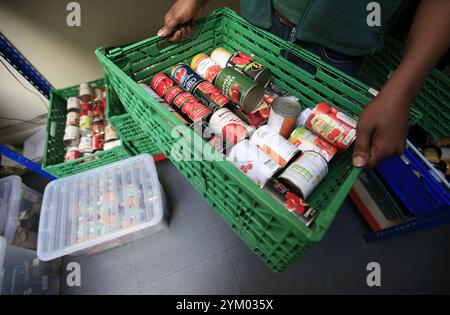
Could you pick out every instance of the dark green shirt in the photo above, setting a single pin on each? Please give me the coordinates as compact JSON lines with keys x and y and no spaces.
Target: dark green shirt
{"x":340,"y":25}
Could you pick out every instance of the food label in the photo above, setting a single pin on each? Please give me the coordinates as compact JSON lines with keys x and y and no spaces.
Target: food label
{"x":206,"y":67}
{"x":185,"y":77}
{"x":73,"y":119}
{"x":232,"y":128}
{"x":161,"y":84}
{"x":211,"y":96}
{"x":172,"y":93}
{"x":85,"y":122}
{"x":305,"y":140}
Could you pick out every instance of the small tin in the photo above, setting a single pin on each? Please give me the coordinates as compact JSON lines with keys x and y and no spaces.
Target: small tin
{"x":253,"y":162}
{"x":221,"y":56}
{"x":85,"y":145}
{"x":161,"y":84}
{"x":247,"y":65}
{"x":73,"y":104}
{"x":305,"y":140}
{"x":209,"y":95}
{"x":172,"y":93}
{"x":85,"y":92}
{"x":98,"y":141}
{"x":206,"y":67}
{"x":185,"y":77}
{"x":73,"y":119}
{"x":110,"y":133}
{"x":190,"y":108}
{"x":305,"y":174}
{"x":240,"y":89}
{"x":283,"y":115}
{"x":274,"y":145}
{"x":230,"y":126}
{"x":71,"y":135}
{"x":72,"y":155}
{"x":112,"y":144}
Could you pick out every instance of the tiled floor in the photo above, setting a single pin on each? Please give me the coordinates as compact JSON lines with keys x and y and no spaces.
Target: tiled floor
{"x":199,"y":254}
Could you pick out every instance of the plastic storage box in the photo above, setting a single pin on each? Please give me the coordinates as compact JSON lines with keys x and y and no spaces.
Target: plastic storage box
{"x":19,"y":212}
{"x":100,"y":209}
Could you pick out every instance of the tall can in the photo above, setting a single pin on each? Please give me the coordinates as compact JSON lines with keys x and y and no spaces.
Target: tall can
{"x":240,"y":89}
{"x":274,"y":145}
{"x":185,"y":77}
{"x":206,"y":67}
{"x":284,"y":114}
{"x":190,"y":108}
{"x":254,"y":163}
{"x":305,"y":174}
{"x":247,"y":65}
{"x":209,"y":95}
{"x":160,"y":83}
{"x":230,"y":126}
{"x":305,"y":140}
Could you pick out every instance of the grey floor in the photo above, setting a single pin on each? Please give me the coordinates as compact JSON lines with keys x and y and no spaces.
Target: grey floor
{"x":199,"y":254}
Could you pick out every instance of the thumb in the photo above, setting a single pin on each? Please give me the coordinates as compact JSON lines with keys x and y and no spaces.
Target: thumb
{"x":170,"y":23}
{"x":361,"y":153}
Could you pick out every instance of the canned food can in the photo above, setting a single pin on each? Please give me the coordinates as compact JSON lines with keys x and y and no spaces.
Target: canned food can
{"x":110,"y":133}
{"x":240,"y":89}
{"x":305,"y":140}
{"x":85,"y":145}
{"x":185,"y":77}
{"x":73,"y":104}
{"x":253,"y":162}
{"x":98,"y":141}
{"x":161,"y":84}
{"x":85,"y":92}
{"x":205,"y":67}
{"x":261,"y":114}
{"x":230,"y":126}
{"x":189,"y":107}
{"x":209,"y":95}
{"x":71,"y":135}
{"x":98,"y":128}
{"x":112,"y":144}
{"x":72,"y":155}
{"x":247,"y":65}
{"x":221,"y":56}
{"x":274,"y":145}
{"x":73,"y":119}
{"x":305,"y":174}
{"x":172,"y":93}
{"x":283,"y":115}
{"x":331,"y":124}
{"x":213,"y":138}
{"x":98,"y":94}
{"x":86,"y":125}
{"x":291,"y":201}
{"x":98,"y":115}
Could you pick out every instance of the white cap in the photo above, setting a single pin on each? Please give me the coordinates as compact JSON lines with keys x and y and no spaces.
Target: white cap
{"x":303,"y":118}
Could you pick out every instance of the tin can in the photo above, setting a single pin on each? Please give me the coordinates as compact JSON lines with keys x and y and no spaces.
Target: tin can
{"x":213,"y":138}
{"x":112,"y":144}
{"x":221,"y":56}
{"x":230,"y":126}
{"x":85,"y":92}
{"x":283,"y":115}
{"x":274,"y":145}
{"x":73,"y":119}
{"x":240,"y":89}
{"x":206,"y":67}
{"x":98,"y":115}
{"x":331,"y":124}
{"x":291,"y":201}
{"x":161,"y":84}
{"x":98,"y":128}
{"x":261,"y":114}
{"x":253,"y":162}
{"x":98,"y":141}
{"x":190,"y":108}
{"x":209,"y":95}
{"x":71,"y":135}
{"x":98,"y":94}
{"x":172,"y":93}
{"x":72,"y":155}
{"x":305,"y":140}
{"x":110,"y":133}
{"x":85,"y":145}
{"x":73,"y":104}
{"x":85,"y":124}
{"x":185,"y":77}
{"x":305,"y":174}
{"x":247,"y":65}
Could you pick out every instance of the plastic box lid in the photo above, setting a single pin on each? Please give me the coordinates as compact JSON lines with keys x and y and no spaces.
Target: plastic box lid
{"x":10,"y":197}
{"x":99,"y":206}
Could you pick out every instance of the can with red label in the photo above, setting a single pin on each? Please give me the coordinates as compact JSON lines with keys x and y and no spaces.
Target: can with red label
{"x":230,"y":126}
{"x":261,"y":114}
{"x":98,"y":141}
{"x":161,"y":84}
{"x":331,"y":124}
{"x":209,"y":95}
{"x":305,"y":140}
{"x":110,"y":133}
{"x":85,"y":145}
{"x":172,"y":93}
{"x":190,"y":108}
{"x":185,"y":77}
{"x":71,"y":135}
{"x":73,"y":119}
{"x":213,"y":138}
{"x":205,"y":67}
{"x":98,"y":128}
{"x":247,"y":65}
{"x":98,"y":115}
{"x":72,"y":155}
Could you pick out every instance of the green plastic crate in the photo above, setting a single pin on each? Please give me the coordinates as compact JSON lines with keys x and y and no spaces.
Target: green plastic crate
{"x":273,"y":233}
{"x":433,"y":102}
{"x":54,"y":152}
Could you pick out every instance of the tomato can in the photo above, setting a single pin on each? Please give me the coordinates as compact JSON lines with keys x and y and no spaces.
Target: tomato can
{"x":71,"y":135}
{"x":186,"y":77}
{"x":274,"y":145}
{"x":190,"y":108}
{"x":253,"y":162}
{"x":291,"y":201}
{"x":98,"y":115}
{"x":85,"y":92}
{"x":284,"y":114}
{"x":261,"y":114}
{"x":206,"y":67}
{"x":72,"y":155}
{"x":86,"y":145}
{"x":161,"y":84}
{"x":73,"y":119}
{"x":112,"y":144}
{"x":331,"y":124}
{"x":230,"y":126}
{"x":305,"y":140}
{"x":73,"y":104}
{"x":240,"y":89}
{"x":98,"y":141}
{"x":110,"y":133}
{"x":221,"y":56}
{"x":247,"y":65}
{"x":213,"y":138}
{"x":98,"y":128}
{"x":305,"y":174}
{"x":209,"y":95}
{"x":172,"y":93}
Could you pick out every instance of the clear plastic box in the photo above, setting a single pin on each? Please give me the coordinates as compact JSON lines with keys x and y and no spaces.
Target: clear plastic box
{"x":19,"y":212}
{"x":100,"y":209}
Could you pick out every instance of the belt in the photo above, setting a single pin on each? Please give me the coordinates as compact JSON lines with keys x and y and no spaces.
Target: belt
{"x":284,"y":20}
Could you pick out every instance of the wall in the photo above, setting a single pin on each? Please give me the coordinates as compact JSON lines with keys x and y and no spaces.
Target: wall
{"x":65,"y":55}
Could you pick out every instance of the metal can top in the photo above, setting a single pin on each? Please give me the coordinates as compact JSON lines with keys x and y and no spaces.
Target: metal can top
{"x":287,"y":106}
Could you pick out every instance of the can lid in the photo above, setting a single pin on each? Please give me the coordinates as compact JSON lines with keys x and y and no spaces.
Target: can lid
{"x":253,"y":98}
{"x":287,"y":106}
{"x":304,"y":116}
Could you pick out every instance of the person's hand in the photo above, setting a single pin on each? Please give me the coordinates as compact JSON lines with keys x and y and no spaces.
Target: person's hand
{"x":382,"y":130}
{"x":182,"y":14}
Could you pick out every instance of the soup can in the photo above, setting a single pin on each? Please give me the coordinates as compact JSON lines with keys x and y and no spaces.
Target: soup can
{"x":305,"y":140}
{"x":247,"y":65}
{"x":230,"y":126}
{"x":254,"y":163}
{"x":110,"y":133}
{"x":190,"y":108}
{"x":71,"y":135}
{"x":73,"y":119}
{"x":72,"y":155}
{"x":240,"y":89}
{"x":274,"y":145}
{"x":185,"y":77}
{"x":73,"y":104}
{"x":205,"y":67}
{"x":305,"y":174}
{"x":161,"y":84}
{"x":209,"y":95}
{"x":221,"y":56}
{"x":98,"y":141}
{"x":85,"y":145}
{"x":284,"y":114}
{"x":85,"y":92}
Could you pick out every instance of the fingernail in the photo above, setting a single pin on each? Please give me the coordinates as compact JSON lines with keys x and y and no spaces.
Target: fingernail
{"x":162,"y":32}
{"x":359,"y":161}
